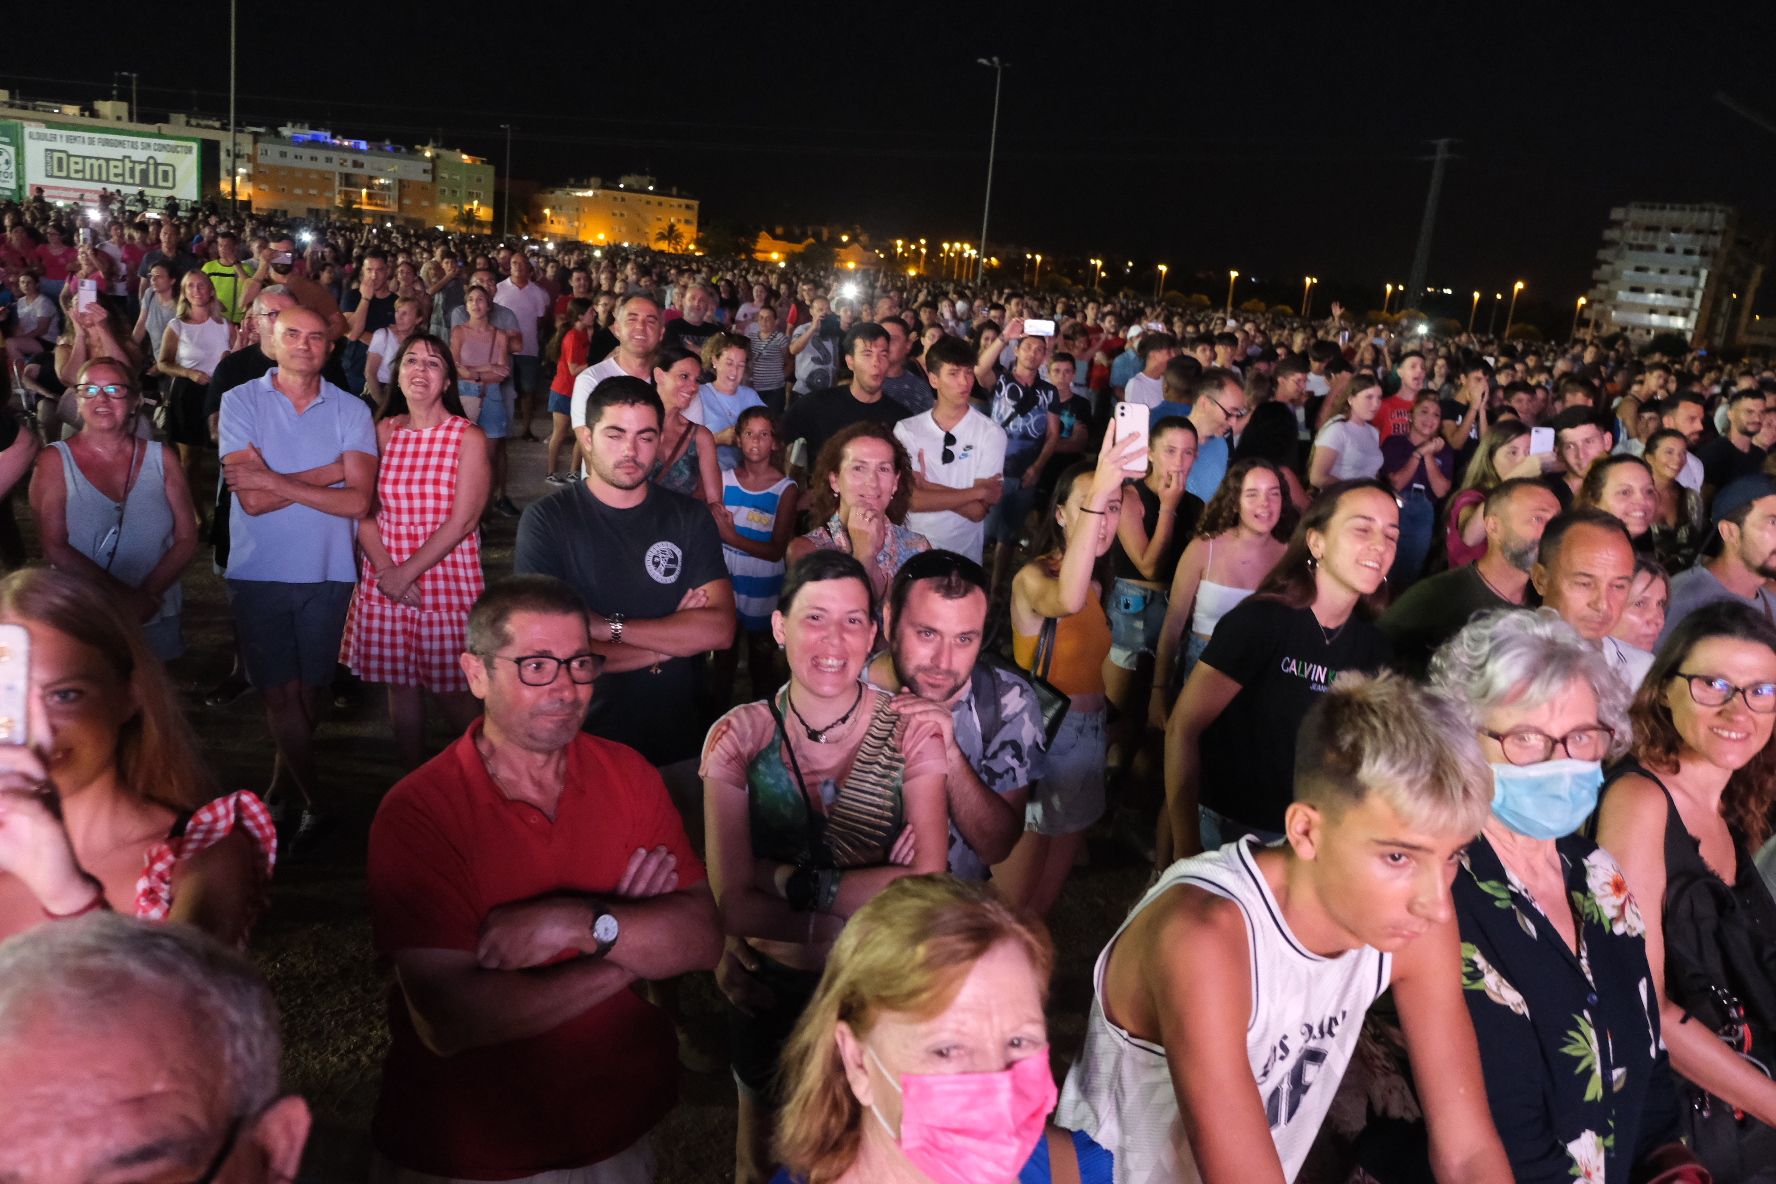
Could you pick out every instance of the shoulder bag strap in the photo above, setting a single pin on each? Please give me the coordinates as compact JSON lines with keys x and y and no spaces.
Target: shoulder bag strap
{"x":815,"y":823}
{"x":1045,"y":647}
{"x":1063,"y":1157}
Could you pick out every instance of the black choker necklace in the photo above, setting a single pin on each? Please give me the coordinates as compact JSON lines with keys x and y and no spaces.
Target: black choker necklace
{"x":819,"y":735}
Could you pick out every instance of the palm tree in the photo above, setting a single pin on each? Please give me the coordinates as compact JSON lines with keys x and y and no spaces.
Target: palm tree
{"x":465,"y":218}
{"x":672,"y":238}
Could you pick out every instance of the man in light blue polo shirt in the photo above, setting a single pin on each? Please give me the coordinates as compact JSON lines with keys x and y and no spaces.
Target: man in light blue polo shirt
{"x":300,"y":456}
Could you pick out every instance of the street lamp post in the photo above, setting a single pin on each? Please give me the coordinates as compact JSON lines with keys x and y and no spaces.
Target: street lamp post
{"x":1511,"y":312}
{"x":1307,"y":283}
{"x":1492,"y":318}
{"x":1024,"y":275}
{"x":1387,"y":297}
{"x":1473,"y":311}
{"x":1097,"y":274}
{"x":1159,"y":282}
{"x":1232,"y":276}
{"x":233,"y":141}
{"x":922,"y":249}
{"x":1037,"y":283}
{"x":506,"y":206}
{"x":1577,"y":309}
{"x":998,"y":68}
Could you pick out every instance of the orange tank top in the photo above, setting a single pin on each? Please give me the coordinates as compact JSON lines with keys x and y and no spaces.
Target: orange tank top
{"x":1082,"y":642}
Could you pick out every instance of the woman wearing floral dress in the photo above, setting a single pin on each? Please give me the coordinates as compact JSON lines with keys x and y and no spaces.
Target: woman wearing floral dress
{"x":421,"y":569}
{"x":1553,"y":945}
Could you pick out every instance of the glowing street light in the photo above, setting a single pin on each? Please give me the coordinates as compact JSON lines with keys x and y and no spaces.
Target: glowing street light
{"x":1307,"y":283}
{"x":1577,"y":309}
{"x":1512,"y":311}
{"x":1038,"y":279}
{"x":1159,"y":284}
{"x":1387,"y":296}
{"x":1474,"y":310}
{"x":1097,"y":272}
{"x":1232,"y":276}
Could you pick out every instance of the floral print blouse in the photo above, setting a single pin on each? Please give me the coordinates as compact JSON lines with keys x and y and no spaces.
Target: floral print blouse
{"x":1576,"y":1073}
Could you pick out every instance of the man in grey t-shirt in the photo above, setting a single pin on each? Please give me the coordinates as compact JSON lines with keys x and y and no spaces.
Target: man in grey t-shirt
{"x":1745,"y":516}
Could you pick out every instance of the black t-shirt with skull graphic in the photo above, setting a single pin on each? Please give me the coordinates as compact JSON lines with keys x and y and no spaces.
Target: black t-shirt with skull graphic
{"x":639,"y":562}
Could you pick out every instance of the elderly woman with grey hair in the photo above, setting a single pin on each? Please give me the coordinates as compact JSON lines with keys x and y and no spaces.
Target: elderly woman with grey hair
{"x":141,"y":1051}
{"x":1553,"y":953}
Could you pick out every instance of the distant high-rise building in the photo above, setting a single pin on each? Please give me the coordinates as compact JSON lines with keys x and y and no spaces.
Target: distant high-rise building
{"x":1692,"y":269}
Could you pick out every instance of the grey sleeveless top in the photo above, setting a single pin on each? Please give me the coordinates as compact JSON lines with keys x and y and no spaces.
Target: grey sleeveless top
{"x":126,"y":540}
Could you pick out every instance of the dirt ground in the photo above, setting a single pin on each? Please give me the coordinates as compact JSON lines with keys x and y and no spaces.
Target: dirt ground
{"x":314,"y":943}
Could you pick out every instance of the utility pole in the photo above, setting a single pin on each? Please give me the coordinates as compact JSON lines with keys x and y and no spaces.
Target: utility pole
{"x":233,"y":143}
{"x":506,"y":206}
{"x":1421,"y":258}
{"x":998,"y":68}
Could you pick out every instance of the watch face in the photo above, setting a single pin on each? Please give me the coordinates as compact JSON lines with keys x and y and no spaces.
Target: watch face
{"x":604,"y":929}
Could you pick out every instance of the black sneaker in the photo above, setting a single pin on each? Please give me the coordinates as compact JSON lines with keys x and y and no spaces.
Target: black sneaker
{"x":314,"y":835}
{"x":504,"y":508}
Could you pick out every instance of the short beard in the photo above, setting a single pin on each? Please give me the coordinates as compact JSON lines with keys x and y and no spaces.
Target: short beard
{"x":1522,"y":556}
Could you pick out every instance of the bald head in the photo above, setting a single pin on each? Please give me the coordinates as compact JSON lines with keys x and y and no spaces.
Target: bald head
{"x":299,"y":342}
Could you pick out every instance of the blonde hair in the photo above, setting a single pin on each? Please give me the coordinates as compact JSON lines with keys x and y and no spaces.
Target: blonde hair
{"x":905,"y":951}
{"x":1412,"y":747}
{"x":156,"y":754}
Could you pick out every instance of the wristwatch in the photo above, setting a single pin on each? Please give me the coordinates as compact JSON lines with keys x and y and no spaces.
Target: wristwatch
{"x":615,"y":621}
{"x":605,"y":929}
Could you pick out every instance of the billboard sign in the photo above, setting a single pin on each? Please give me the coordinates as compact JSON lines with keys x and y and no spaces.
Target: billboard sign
{"x":74,"y":164}
{"x":11,"y":162}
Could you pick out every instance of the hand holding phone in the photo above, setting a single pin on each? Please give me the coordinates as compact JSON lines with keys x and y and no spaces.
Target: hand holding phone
{"x":1131,"y":419}
{"x":1039,"y":328}
{"x":1541,"y":440}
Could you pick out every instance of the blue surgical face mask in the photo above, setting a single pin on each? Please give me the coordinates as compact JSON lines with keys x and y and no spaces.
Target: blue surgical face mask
{"x":1546,"y":801}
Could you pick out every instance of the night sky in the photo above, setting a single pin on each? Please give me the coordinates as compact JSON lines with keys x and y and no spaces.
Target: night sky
{"x":1216,"y":136}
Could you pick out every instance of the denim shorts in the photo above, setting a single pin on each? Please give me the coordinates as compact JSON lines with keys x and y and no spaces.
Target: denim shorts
{"x":289,"y":632}
{"x":1136,"y":614}
{"x":1070,"y":795}
{"x":560,"y":404}
{"x":496,"y":407}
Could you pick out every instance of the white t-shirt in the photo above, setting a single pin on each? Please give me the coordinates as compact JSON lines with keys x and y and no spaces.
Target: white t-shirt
{"x":978,"y":451}
{"x":529,"y":304}
{"x":201,"y":344}
{"x":588,"y":379}
{"x":1358,"y":446}
{"x":1141,"y":389}
{"x":385,"y":345}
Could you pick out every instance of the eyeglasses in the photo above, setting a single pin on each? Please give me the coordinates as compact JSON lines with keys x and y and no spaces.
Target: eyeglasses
{"x":1530,"y":747}
{"x":224,"y":1152}
{"x":1709,"y":690}
{"x":110,"y":390}
{"x":1240,"y":414}
{"x":541,"y":670}
{"x":949,"y":448}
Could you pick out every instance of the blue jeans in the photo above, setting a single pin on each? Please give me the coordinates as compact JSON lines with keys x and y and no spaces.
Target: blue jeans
{"x":1418,"y":518}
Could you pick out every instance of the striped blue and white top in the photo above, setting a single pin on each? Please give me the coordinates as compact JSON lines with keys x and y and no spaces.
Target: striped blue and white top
{"x":756,"y":581}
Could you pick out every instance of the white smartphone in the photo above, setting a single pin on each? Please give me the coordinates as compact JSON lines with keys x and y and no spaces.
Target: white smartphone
{"x":15,"y":685}
{"x":1131,"y":419}
{"x":1541,"y":440}
{"x":87,"y":296}
{"x":1039,"y":328}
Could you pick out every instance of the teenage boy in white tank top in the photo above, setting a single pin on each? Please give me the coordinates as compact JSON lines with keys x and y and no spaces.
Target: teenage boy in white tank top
{"x":1228,"y":1005}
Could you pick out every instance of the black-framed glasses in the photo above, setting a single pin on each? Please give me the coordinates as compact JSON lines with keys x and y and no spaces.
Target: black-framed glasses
{"x":222,"y":1153}
{"x":116,"y":392}
{"x":1240,"y":414}
{"x":949,"y":448}
{"x":1711,"y":690}
{"x":1526,"y":746}
{"x":541,"y":670}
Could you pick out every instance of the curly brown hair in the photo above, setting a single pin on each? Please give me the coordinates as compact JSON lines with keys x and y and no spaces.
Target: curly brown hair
{"x":1222,"y":514}
{"x":1751,"y":790}
{"x":823,"y":501}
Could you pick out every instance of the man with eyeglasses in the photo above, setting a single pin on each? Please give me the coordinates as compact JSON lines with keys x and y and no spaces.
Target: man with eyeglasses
{"x":1583,"y":571}
{"x":521,"y":883}
{"x":134,"y":1050}
{"x":1744,"y":515}
{"x":958,"y":456}
{"x":1217,"y":407}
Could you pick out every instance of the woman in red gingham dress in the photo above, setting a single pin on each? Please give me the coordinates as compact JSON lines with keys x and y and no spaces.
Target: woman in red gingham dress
{"x":421,"y":570}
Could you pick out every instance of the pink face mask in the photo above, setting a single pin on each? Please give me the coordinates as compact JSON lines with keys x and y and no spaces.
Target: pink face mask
{"x":972,"y":1128}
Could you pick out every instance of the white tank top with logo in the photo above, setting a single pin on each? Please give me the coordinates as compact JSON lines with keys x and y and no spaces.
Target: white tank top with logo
{"x":1307,"y":1012}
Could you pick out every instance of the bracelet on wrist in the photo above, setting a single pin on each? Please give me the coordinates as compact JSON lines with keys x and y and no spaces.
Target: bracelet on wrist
{"x":98,"y":902}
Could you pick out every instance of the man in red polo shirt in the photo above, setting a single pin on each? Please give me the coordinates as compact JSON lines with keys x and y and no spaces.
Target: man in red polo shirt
{"x":523,"y":883}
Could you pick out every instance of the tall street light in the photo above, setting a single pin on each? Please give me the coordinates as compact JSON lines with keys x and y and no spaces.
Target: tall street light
{"x":1159,"y":282}
{"x":1232,"y":276}
{"x":1024,"y":275}
{"x":1473,"y":311}
{"x":1307,"y":283}
{"x":1512,"y":311}
{"x":1577,"y":309}
{"x":1492,"y":318}
{"x":1037,"y":282}
{"x":1387,"y":296}
{"x":506,"y":206}
{"x":998,"y":68}
{"x":1097,"y":274}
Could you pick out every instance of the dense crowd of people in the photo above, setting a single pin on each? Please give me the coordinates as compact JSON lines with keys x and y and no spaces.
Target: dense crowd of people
{"x":1435,"y":676}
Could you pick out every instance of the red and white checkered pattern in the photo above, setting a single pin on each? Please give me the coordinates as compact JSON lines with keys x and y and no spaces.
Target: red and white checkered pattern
{"x":209,"y":825}
{"x":396,"y":643}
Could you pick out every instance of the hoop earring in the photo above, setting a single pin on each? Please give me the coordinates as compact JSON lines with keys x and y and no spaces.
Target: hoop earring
{"x":1312,"y":563}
